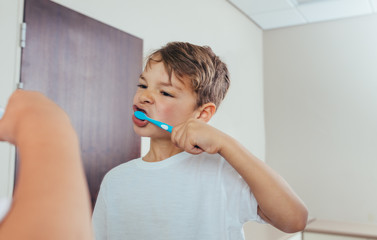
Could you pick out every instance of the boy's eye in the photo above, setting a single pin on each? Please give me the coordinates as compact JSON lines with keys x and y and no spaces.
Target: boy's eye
{"x":141,"y":86}
{"x":166,"y":94}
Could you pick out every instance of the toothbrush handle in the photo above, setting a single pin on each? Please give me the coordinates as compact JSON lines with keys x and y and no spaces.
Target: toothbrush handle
{"x":164,"y":126}
{"x":161,"y":125}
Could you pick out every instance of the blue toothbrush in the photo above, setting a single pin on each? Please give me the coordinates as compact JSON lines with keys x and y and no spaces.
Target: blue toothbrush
{"x":140,"y":115}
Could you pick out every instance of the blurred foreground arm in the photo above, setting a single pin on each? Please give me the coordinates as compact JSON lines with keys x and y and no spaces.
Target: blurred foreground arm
{"x":51,"y":199}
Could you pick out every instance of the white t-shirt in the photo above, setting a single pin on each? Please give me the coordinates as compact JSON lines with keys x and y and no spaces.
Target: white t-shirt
{"x":183,"y":197}
{"x":5,"y":204}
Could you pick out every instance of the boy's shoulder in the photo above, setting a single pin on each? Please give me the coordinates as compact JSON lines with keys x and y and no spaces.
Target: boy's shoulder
{"x":121,"y":169}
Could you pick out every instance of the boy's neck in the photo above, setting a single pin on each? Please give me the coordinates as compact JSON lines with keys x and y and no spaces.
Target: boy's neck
{"x":161,"y":150}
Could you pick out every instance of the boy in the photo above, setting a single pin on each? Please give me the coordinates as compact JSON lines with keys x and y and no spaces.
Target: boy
{"x":197,"y":182}
{"x":51,"y":200}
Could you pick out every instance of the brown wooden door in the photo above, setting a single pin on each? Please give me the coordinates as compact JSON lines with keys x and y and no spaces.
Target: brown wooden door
{"x":90,"y":69}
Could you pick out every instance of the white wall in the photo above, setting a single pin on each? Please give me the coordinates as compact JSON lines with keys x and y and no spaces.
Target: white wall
{"x":212,"y":22}
{"x":321,"y":114}
{"x":10,"y":18}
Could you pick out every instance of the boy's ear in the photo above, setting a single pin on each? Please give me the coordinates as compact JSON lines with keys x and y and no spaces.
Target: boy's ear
{"x":206,"y":111}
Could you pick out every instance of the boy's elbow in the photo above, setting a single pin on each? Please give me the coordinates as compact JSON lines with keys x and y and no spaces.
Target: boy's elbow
{"x":297,"y":226}
{"x":297,"y":223}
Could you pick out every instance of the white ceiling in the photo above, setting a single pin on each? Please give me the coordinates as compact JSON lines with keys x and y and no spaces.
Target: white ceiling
{"x":271,"y":14}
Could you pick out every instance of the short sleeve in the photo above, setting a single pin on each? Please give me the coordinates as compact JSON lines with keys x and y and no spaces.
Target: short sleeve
{"x":5,"y":204}
{"x":99,"y":218}
{"x":241,"y":203}
{"x":248,"y":210}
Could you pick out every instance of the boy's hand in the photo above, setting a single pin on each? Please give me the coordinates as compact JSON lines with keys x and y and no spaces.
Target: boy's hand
{"x":196,"y":136}
{"x":30,"y":110}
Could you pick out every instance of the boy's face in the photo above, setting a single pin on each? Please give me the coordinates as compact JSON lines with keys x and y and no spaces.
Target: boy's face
{"x":169,"y":101}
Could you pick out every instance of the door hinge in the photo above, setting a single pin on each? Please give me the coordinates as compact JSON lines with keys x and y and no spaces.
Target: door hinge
{"x":20,"y":85}
{"x":23,"y":35}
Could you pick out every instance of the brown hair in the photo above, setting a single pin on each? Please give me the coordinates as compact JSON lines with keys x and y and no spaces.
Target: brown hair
{"x":209,"y":77}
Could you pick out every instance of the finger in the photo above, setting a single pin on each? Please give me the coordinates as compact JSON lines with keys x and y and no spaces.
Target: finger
{"x":176,"y":136}
{"x":194,"y":150}
{"x":173,"y":136}
{"x":189,"y":143}
{"x":1,"y":131}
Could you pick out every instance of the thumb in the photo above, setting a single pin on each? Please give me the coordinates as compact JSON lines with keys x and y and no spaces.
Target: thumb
{"x":5,"y":127}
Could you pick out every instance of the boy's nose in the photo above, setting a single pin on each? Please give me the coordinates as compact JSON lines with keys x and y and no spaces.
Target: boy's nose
{"x":146,"y":97}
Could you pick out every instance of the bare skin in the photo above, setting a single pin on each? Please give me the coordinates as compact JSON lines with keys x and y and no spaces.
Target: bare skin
{"x":51,"y":199}
{"x":174,"y":102}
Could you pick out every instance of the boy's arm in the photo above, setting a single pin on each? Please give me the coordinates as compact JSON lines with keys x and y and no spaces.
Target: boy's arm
{"x":278,"y":204}
{"x":51,"y":198}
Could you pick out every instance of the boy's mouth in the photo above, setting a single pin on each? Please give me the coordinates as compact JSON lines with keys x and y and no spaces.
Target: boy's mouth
{"x":136,"y":108}
{"x":136,"y":121}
